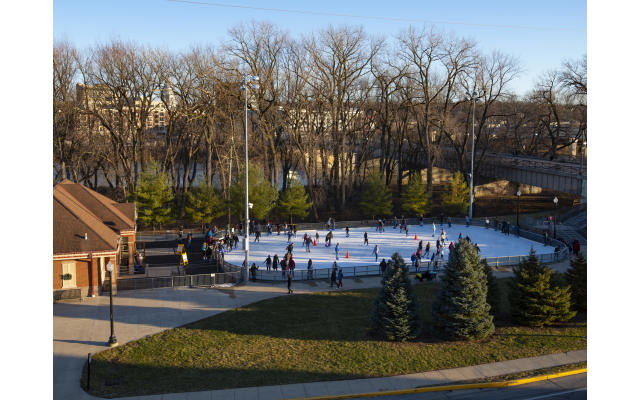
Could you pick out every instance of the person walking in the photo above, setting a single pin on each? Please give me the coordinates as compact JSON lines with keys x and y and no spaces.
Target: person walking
{"x":366,"y":239}
{"x":376,"y":251}
{"x":310,"y":269}
{"x":340,"y":276}
{"x":347,"y":230}
{"x":333,"y":273}
{"x":428,"y":248}
{"x":434,"y":229}
{"x":204,"y":250}
{"x":268,"y":262}
{"x":289,"y":277}
{"x":449,"y":221}
{"x":275,"y":262}
{"x":383,"y":266}
{"x":337,"y":248}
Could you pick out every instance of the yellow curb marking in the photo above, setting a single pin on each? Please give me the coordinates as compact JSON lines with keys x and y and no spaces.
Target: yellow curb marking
{"x":467,"y":386}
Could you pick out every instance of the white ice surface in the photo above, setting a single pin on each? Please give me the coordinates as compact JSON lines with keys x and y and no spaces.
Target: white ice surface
{"x":492,"y":244}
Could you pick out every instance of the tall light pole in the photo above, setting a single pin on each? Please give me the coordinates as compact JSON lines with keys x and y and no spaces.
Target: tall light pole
{"x":472,"y":97}
{"x":518,"y":193}
{"x":249,"y":81}
{"x":112,"y":339}
{"x":555,"y":226}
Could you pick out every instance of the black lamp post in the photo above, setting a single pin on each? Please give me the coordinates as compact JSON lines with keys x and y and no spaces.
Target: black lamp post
{"x":518,"y":193}
{"x":112,"y":339}
{"x":555,"y":201}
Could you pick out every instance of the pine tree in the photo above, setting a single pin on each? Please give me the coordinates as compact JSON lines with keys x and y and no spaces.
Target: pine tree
{"x":534,"y":300}
{"x":375,"y":197}
{"x":203,"y":204}
{"x":460,"y":310}
{"x":395,"y":313}
{"x":576,"y":277}
{"x":456,"y":200}
{"x":153,"y":197}
{"x":415,"y":200}
{"x":294,"y":201}
{"x":261,"y":194}
{"x":493,"y":290}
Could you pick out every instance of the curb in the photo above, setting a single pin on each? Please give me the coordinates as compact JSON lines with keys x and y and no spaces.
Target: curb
{"x":467,"y":386}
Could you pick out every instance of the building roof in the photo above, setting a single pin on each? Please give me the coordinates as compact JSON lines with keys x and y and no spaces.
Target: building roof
{"x":78,"y":210}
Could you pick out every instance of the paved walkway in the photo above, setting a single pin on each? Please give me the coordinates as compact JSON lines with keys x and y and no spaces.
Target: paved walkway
{"x":372,"y":385}
{"x":82,"y":327}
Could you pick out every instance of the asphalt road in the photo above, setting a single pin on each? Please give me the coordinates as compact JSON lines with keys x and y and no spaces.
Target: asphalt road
{"x":568,"y":388}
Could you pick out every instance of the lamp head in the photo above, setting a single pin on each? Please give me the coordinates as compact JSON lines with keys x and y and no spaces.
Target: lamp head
{"x":110,"y":266}
{"x":555,"y":200}
{"x":518,"y":193}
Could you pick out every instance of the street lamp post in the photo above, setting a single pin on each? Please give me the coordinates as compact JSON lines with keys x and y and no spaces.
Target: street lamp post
{"x":250,"y":81}
{"x":112,"y":339}
{"x":473,"y":97}
{"x":518,"y":209}
{"x":555,"y":226}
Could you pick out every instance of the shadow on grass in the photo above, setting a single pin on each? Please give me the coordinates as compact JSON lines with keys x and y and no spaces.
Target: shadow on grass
{"x":334,"y":315}
{"x":117,"y":379}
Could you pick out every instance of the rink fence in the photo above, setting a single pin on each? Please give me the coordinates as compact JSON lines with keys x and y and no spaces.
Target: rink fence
{"x":234,"y":274}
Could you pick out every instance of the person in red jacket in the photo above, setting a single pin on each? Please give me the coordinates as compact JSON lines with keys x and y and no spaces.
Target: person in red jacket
{"x":576,"y":246}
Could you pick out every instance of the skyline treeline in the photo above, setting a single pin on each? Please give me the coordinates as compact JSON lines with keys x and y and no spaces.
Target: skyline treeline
{"x":332,"y":105}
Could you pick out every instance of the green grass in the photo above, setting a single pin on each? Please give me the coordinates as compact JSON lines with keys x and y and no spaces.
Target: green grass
{"x":303,"y":338}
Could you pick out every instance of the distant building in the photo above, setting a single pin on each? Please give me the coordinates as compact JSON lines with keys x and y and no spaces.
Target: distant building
{"x":89,"y":231}
{"x":99,"y":98}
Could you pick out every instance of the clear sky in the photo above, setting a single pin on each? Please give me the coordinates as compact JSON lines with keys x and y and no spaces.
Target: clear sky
{"x":541,"y":33}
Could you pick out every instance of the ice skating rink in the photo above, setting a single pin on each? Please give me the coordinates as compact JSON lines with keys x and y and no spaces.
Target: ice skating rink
{"x":492,"y":244}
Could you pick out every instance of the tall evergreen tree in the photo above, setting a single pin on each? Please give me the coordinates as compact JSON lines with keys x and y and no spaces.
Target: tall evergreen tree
{"x":460,"y":310}
{"x":456,"y":199}
{"x":415,"y":199}
{"x":576,"y":277}
{"x":203,"y":204}
{"x":261,"y":194}
{"x":294,"y":201}
{"x":534,"y":300}
{"x":493,"y":289}
{"x":375,"y":197}
{"x":395,"y":313}
{"x":153,"y":197}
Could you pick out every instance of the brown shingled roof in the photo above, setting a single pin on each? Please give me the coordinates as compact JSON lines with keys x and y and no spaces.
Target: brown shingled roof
{"x":109,"y":211}
{"x":78,"y":210}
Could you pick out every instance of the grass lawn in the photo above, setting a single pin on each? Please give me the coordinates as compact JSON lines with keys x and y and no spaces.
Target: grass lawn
{"x":304,"y":338}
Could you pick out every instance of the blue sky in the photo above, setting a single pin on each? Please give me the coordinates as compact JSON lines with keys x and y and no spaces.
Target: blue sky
{"x":560,"y":27}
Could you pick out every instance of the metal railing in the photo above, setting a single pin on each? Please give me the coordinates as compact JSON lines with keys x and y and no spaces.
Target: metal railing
{"x":202,"y":280}
{"x":347,"y":272}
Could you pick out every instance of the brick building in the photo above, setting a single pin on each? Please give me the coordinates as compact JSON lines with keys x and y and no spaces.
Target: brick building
{"x":89,"y":230}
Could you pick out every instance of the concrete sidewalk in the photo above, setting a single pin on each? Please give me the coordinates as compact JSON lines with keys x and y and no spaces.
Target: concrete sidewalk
{"x":82,"y":327}
{"x":400,"y":382}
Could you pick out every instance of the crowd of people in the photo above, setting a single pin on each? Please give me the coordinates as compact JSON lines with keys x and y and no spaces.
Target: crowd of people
{"x":214,"y":249}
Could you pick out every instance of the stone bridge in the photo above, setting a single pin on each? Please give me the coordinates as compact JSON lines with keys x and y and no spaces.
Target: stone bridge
{"x":567,"y":177}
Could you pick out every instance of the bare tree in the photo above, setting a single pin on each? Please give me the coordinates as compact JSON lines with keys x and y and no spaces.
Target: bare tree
{"x":339,"y":57}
